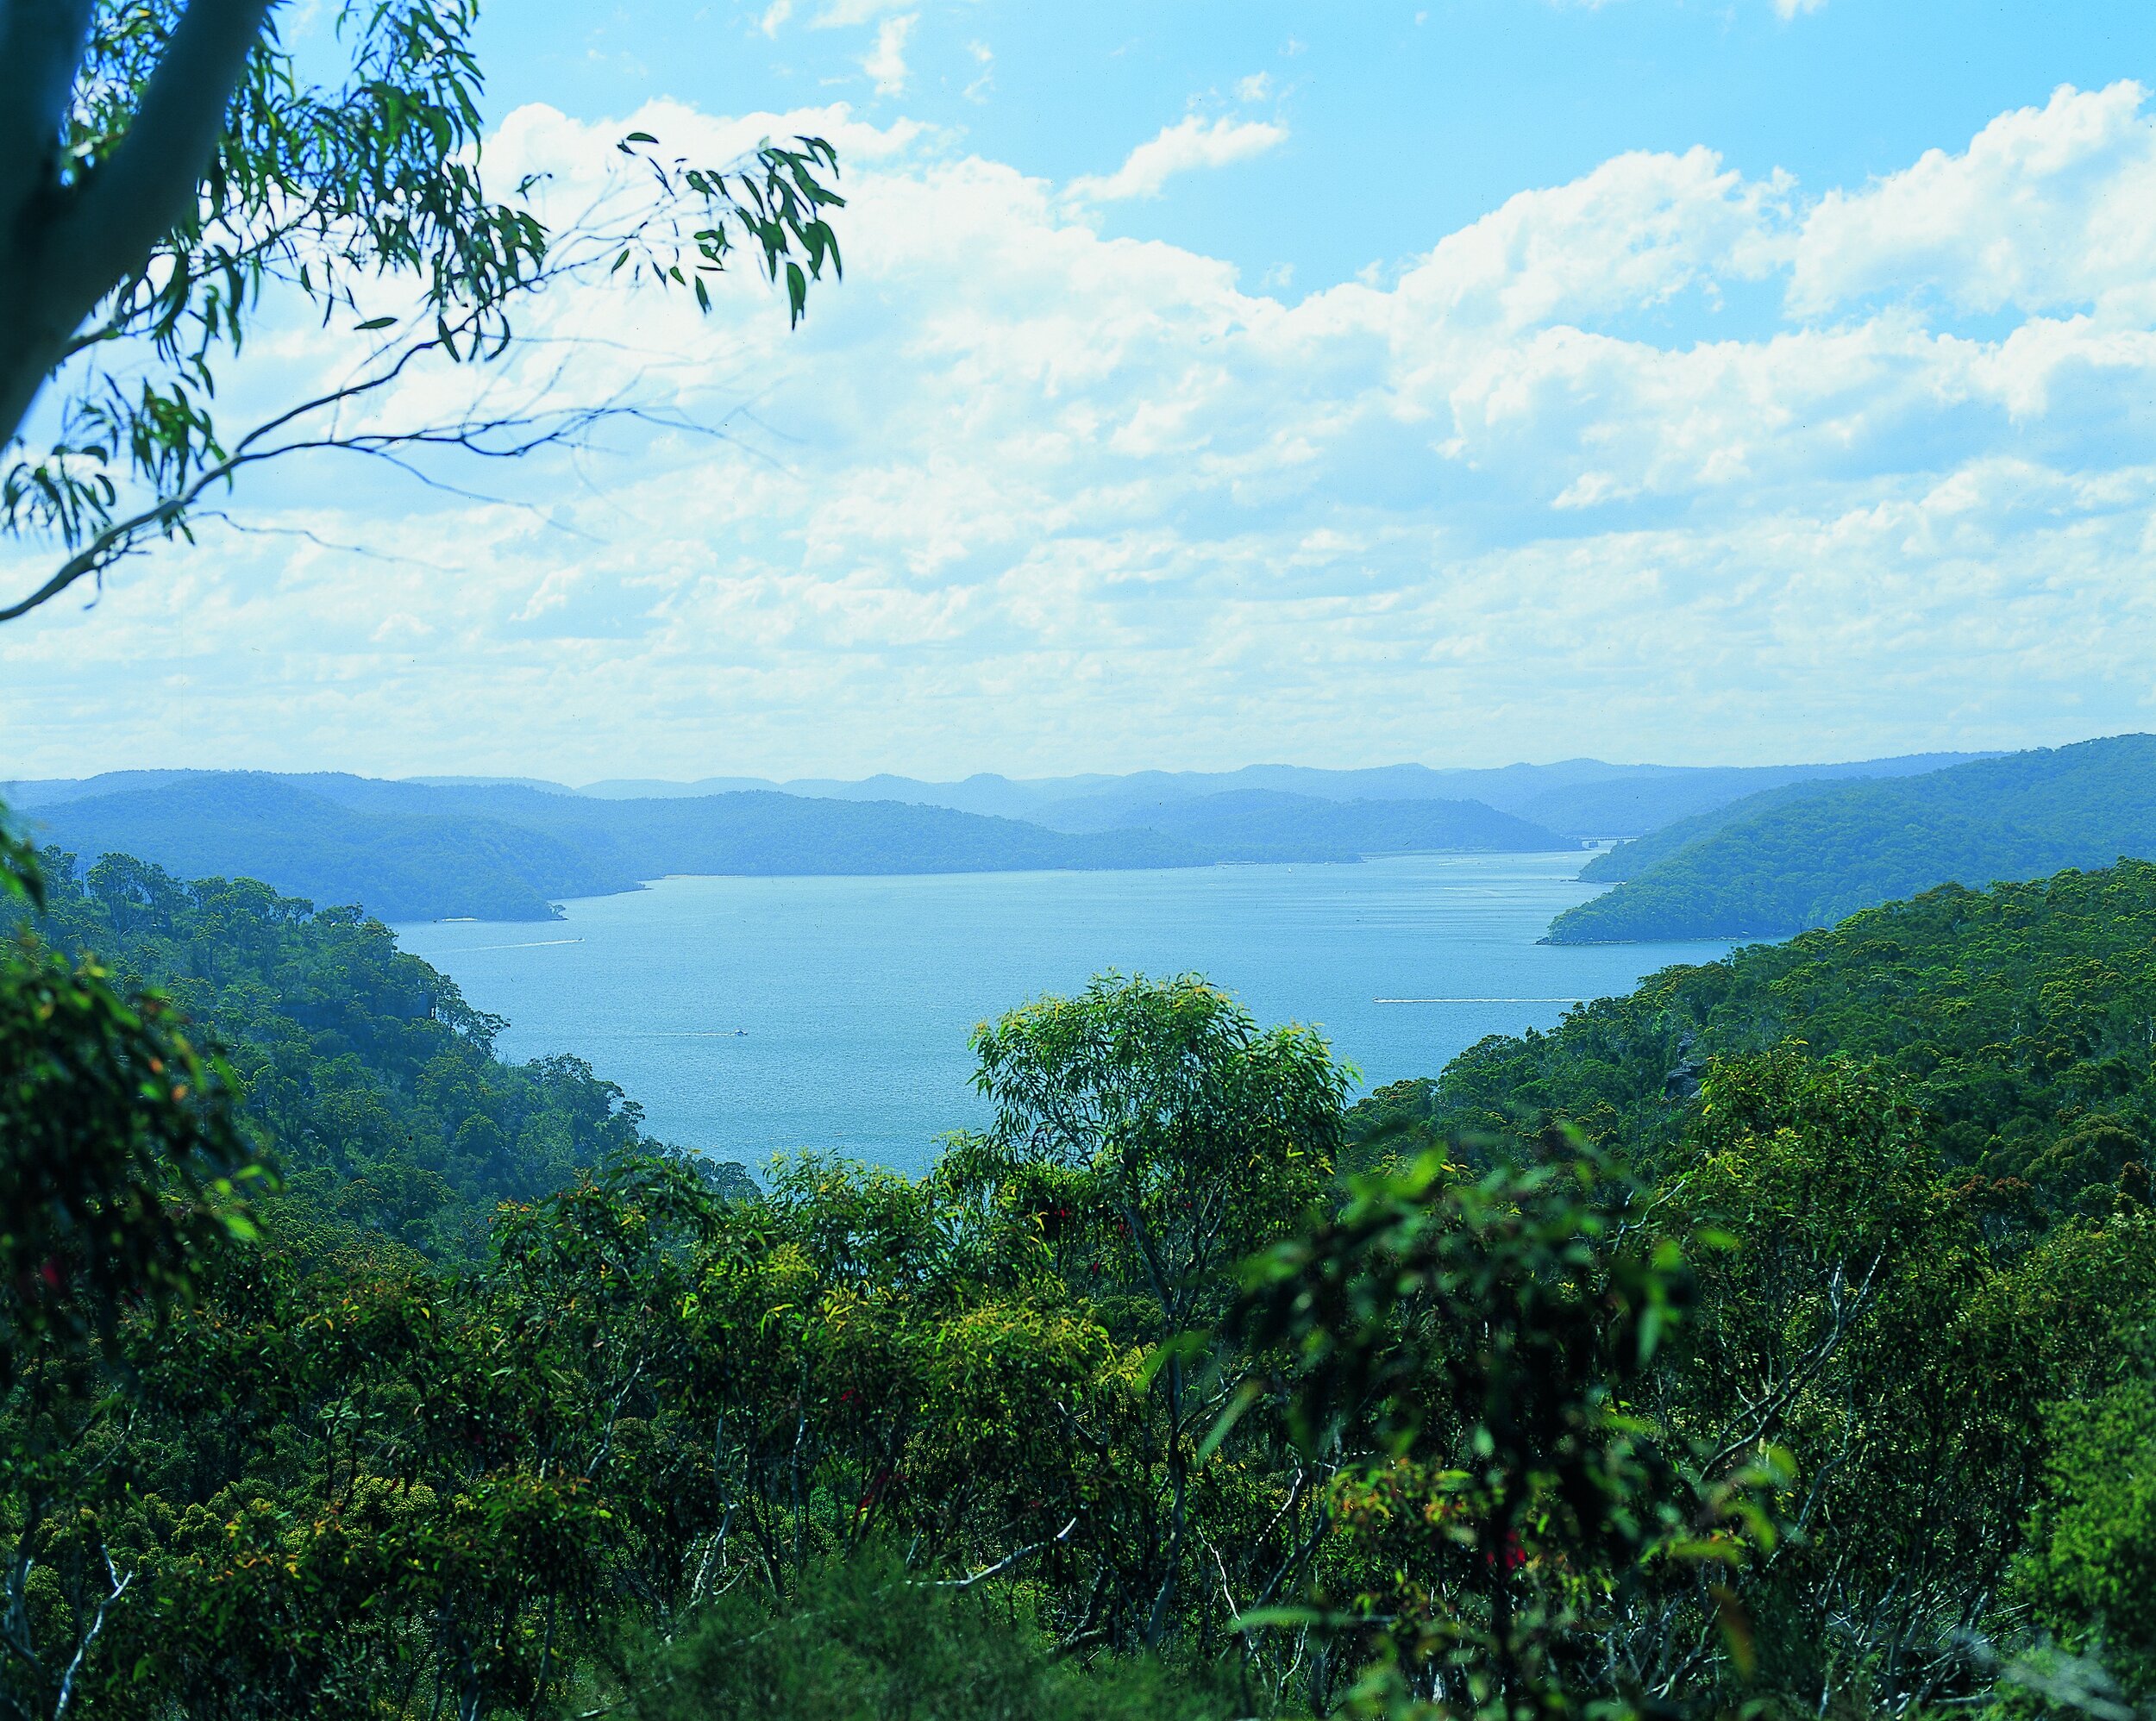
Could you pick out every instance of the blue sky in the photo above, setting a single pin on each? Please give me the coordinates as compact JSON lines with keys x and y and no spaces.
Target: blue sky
{"x":1404,"y":121}
{"x":1218,"y":383}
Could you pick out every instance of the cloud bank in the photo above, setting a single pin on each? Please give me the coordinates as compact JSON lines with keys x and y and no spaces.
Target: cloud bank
{"x":1666,"y":462}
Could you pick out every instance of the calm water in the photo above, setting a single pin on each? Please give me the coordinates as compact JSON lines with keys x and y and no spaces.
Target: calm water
{"x":856,"y":995}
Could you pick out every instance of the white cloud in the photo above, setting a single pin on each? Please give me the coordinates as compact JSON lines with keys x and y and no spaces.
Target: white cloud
{"x":1255,"y":88}
{"x":1789,"y":9}
{"x":885,"y":62}
{"x":984,"y":56}
{"x":774,"y":16}
{"x":845,"y":14}
{"x":2035,"y":215}
{"x":1021,"y":497}
{"x":1190,"y":143}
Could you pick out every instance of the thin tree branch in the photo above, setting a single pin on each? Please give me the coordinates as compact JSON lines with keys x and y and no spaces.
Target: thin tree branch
{"x":97,"y":1625}
{"x":1002,"y":1565}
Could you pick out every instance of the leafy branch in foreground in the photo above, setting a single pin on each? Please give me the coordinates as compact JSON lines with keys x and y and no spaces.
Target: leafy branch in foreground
{"x":1469,"y":1354}
{"x":122,"y":1162}
{"x":168,"y":176}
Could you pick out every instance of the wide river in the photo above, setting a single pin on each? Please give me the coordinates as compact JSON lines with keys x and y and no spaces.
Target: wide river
{"x":751,"y":1016}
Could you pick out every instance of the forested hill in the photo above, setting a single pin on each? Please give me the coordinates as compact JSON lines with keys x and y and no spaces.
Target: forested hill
{"x":2019,"y":1016}
{"x":402,"y":864}
{"x":373,"y":1082}
{"x":1798,"y":857}
{"x":1627,"y":861}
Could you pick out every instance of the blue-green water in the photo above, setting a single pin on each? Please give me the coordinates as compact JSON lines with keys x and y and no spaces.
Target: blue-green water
{"x":854,"y":996}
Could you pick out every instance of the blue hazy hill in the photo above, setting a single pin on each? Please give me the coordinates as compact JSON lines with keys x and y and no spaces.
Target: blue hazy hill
{"x":400,"y":864}
{"x":1267,"y":824}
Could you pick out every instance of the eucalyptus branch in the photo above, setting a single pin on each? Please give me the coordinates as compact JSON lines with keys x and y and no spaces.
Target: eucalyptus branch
{"x":525,"y":433}
{"x":97,"y":1625}
{"x":1003,"y":1565}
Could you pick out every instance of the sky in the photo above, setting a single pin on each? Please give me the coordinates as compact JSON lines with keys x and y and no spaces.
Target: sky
{"x":1772,"y":380}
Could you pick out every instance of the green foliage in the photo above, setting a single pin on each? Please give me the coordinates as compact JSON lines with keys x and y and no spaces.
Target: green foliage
{"x":1138,"y":1402}
{"x":1485,"y":1340}
{"x":1811,"y":855}
{"x":2091,"y":1570}
{"x":878,"y":1644}
{"x":375,"y":1082}
{"x":121,"y":1164}
{"x":2016,"y":1017}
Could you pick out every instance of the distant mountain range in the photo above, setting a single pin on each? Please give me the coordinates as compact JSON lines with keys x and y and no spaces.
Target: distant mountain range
{"x":1809,"y":855}
{"x":502,"y":848}
{"x":1586,"y":798}
{"x":496,"y":850}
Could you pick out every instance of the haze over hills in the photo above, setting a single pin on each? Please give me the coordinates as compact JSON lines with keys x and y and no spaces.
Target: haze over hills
{"x":1800,"y":857}
{"x":400,"y":863}
{"x":499,"y":852}
{"x":508,"y":848}
{"x":1581,"y":797}
{"x":509,"y":851}
{"x":1271,"y":824}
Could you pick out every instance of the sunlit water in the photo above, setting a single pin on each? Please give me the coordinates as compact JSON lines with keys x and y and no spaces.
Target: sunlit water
{"x":751,"y":1017}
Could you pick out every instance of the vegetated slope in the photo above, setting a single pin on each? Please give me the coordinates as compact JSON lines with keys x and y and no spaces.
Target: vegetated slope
{"x":1259,"y":824}
{"x":1649,"y":800}
{"x":42,"y":791}
{"x":1815,"y":857}
{"x":1140,"y":797}
{"x":376,"y":1085}
{"x":2019,"y":1015}
{"x":399,"y":864}
{"x":1629,"y":860}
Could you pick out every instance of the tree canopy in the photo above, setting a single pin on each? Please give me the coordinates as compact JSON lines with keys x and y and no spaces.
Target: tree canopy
{"x":1694,"y":1356}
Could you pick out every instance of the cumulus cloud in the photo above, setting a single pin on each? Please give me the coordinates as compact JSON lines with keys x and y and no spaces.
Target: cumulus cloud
{"x":1023,"y":496}
{"x":2033,"y":215}
{"x":885,"y":62}
{"x":1190,"y":143}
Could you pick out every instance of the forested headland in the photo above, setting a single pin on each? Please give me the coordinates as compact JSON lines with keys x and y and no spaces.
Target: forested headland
{"x":1776,"y":1339}
{"x":1807,"y":855}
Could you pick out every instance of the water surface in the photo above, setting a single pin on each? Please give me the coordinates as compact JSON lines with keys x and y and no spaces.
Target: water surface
{"x":754,"y":1015}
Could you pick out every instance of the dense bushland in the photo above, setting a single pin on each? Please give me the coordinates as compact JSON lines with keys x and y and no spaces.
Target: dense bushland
{"x":1183,"y":1390}
{"x":1809,"y":854}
